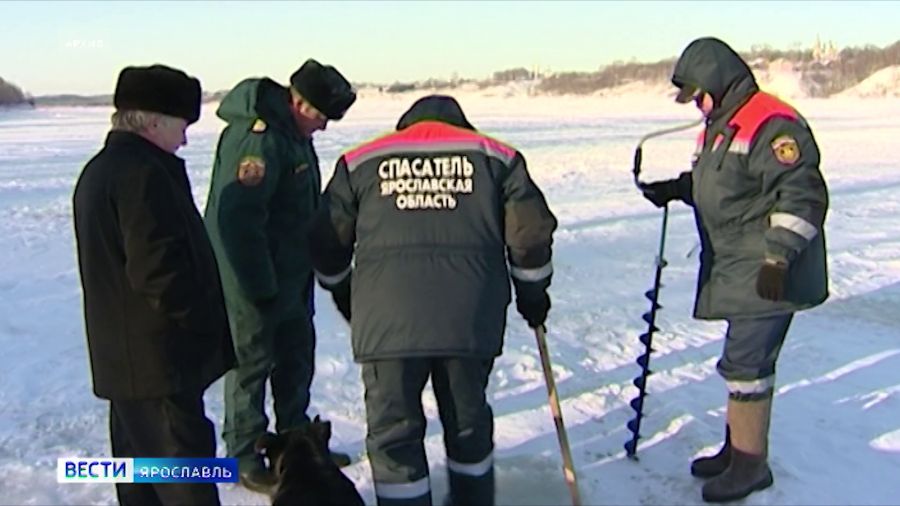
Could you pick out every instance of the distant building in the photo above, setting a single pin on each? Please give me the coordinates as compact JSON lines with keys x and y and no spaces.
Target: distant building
{"x":824,"y":53}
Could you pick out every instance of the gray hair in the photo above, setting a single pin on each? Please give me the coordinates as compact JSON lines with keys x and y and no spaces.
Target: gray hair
{"x":136,"y":121}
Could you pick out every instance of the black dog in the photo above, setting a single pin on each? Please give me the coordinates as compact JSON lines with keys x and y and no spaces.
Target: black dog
{"x":305,"y":474}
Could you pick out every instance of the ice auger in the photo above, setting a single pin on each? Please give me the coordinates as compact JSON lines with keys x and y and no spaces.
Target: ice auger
{"x":637,"y":404}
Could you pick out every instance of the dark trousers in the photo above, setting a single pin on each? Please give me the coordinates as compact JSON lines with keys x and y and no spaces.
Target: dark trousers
{"x":752,"y":347}
{"x":174,"y":426}
{"x":396,"y":428}
{"x":284,"y":354}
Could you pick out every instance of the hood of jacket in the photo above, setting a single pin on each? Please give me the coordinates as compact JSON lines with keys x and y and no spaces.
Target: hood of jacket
{"x":712,"y":66}
{"x":435,"y":108}
{"x":260,"y":98}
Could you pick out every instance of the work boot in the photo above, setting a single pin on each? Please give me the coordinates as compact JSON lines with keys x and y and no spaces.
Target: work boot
{"x":748,"y":422}
{"x":707,"y":467}
{"x":746,"y":474}
{"x":253,"y":475}
{"x":466,"y":489}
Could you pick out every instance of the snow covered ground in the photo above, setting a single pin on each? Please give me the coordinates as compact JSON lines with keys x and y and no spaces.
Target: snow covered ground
{"x":836,"y":428}
{"x":884,"y":83}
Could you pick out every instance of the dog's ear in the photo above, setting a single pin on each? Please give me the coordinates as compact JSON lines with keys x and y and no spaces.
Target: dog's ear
{"x":322,"y":430}
{"x":265,"y":443}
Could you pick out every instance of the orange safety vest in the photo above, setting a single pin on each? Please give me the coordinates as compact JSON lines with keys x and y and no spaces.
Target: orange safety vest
{"x":748,"y":119}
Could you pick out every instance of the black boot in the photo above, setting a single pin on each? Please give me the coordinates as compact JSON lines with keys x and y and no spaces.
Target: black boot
{"x":471,"y":490}
{"x":746,"y":474}
{"x":253,"y":475}
{"x":707,"y":467}
{"x":340,"y":459}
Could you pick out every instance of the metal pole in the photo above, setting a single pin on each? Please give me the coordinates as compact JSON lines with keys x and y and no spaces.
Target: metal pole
{"x":643,"y":361}
{"x":637,"y":404}
{"x":568,"y":466}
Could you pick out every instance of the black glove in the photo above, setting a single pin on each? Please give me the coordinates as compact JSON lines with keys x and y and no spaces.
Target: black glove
{"x":534,"y":310}
{"x":661,"y":192}
{"x":341,"y":295}
{"x":771,"y":280}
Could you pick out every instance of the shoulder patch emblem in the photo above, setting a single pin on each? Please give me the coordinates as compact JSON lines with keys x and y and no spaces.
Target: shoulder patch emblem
{"x":786,"y":150}
{"x":251,"y":170}
{"x":259,"y":126}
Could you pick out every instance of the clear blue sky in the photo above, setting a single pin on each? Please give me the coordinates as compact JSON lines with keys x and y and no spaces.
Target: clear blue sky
{"x":79,"y":47}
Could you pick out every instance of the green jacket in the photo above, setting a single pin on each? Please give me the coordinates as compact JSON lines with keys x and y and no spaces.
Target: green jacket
{"x":756,"y":189}
{"x":264,"y":188}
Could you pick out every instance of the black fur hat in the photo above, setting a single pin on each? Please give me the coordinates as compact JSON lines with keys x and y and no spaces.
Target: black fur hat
{"x":158,"y":88}
{"x":325,"y":88}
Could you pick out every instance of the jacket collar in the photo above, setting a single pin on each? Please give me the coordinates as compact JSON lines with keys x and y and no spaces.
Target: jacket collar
{"x":136,"y":141}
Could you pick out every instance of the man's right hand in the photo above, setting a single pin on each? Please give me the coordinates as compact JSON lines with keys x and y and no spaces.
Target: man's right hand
{"x":534,"y":310}
{"x":341,"y":295}
{"x":661,"y":192}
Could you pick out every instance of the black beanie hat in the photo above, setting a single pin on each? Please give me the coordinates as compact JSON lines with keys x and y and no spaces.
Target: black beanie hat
{"x":158,"y":88}
{"x":324,"y":88}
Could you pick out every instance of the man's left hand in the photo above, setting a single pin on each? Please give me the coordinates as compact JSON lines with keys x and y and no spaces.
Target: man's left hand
{"x":771,"y":280}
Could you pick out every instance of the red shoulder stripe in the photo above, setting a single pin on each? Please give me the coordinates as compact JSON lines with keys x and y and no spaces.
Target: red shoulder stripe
{"x":429,"y":135}
{"x":761,"y":107}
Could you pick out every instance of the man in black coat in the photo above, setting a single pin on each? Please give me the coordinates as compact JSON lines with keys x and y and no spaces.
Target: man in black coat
{"x":155,"y":317}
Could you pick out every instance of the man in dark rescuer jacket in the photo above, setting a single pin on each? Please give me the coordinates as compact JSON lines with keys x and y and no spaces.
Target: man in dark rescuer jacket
{"x":264,"y":189}
{"x":760,"y":202}
{"x":155,"y":316}
{"x":428,"y":211}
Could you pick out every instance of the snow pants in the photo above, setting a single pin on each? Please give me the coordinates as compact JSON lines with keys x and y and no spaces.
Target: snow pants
{"x":396,"y":428}
{"x":752,"y":346}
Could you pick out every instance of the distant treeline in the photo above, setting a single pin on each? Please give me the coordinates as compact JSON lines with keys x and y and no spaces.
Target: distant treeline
{"x":616,"y":74}
{"x":853,"y":66}
{"x":499,"y":77}
{"x":825,"y":74}
{"x":10,"y":94}
{"x":89,"y":100}
{"x":99,"y":100}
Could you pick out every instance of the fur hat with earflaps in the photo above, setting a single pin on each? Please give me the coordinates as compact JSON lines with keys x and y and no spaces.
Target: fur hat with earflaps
{"x":158,"y":88}
{"x":324,"y":88}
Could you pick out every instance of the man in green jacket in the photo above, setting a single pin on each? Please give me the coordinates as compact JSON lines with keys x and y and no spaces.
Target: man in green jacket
{"x":264,"y":188}
{"x":760,"y":203}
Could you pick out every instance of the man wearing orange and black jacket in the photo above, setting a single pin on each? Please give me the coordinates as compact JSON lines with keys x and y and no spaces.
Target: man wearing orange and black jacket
{"x":760,"y":203}
{"x":432,"y":213}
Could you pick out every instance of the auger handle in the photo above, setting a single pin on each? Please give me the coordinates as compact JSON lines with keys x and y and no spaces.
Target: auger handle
{"x":638,"y":151}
